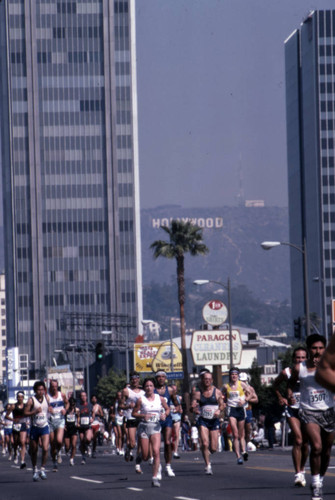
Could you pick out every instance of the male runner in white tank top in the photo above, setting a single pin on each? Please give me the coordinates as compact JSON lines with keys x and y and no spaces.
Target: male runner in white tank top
{"x":37,"y":409}
{"x":316,"y":412}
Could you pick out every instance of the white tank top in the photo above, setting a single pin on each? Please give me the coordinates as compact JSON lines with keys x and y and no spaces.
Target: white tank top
{"x":132,"y":398}
{"x":40,"y":419}
{"x":152,"y":408}
{"x":312,"y":395}
{"x":57,"y":404}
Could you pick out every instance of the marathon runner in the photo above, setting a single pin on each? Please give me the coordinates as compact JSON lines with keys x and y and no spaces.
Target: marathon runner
{"x":253,"y":399}
{"x":58,"y":406}
{"x":19,"y":429}
{"x":8,"y":429}
{"x":207,"y":402}
{"x":316,"y":411}
{"x":85,"y":429}
{"x":130,"y":395}
{"x":71,"y":429}
{"x":166,"y":423}
{"x":236,"y":394}
{"x":98,"y":418}
{"x":148,"y":409}
{"x":37,"y":408}
{"x":300,"y":440}
{"x":176,"y":422}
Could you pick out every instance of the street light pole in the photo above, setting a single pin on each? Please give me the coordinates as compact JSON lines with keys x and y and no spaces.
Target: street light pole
{"x":230,"y":320}
{"x":268,"y":245}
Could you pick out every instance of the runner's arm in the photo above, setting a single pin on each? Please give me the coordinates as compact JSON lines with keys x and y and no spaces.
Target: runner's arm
{"x":325,"y":371}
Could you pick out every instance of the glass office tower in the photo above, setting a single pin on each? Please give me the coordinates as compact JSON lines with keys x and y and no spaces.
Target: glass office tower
{"x":70,"y":166}
{"x":310,"y":104}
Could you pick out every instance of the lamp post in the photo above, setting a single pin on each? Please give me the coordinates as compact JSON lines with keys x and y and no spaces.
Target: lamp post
{"x":227,"y":287}
{"x":268,"y":245}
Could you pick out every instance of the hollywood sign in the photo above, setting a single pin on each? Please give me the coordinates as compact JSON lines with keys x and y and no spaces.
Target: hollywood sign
{"x":208,"y":223}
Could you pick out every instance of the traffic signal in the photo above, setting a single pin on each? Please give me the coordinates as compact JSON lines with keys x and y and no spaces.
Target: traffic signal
{"x":99,"y":351}
{"x":297,"y":327}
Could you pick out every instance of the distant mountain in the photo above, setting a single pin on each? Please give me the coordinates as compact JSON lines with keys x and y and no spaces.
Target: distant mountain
{"x":233,"y":236}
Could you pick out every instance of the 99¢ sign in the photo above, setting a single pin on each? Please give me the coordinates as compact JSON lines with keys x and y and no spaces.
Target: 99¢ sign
{"x":215,"y":312}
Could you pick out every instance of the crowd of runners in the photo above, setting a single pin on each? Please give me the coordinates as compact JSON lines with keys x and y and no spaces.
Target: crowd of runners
{"x":144,"y":414}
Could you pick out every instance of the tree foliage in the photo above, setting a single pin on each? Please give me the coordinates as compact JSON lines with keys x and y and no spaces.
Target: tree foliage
{"x":108,"y":386}
{"x":184,"y":237}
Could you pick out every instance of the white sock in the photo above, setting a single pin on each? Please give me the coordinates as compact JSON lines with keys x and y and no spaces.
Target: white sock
{"x":316,"y":479}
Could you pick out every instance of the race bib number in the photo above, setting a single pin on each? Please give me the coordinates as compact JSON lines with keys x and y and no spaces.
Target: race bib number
{"x":85,"y":420}
{"x":318,"y":396}
{"x":208,"y":412}
{"x":71,"y":418}
{"x":152,"y":418}
{"x":17,"y":427}
{"x":41,"y":420}
{"x":296,"y":396}
{"x":234,"y":395}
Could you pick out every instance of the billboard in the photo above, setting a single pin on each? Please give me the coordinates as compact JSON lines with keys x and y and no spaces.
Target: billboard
{"x":153,"y":356}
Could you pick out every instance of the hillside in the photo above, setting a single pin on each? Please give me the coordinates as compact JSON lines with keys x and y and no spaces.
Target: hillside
{"x":233,"y":236}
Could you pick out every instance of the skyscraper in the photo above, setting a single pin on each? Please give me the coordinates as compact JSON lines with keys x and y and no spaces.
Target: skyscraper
{"x":68,"y":112}
{"x":310,"y":103}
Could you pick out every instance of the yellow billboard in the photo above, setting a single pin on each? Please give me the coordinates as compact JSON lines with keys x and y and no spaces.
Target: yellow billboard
{"x":153,"y":356}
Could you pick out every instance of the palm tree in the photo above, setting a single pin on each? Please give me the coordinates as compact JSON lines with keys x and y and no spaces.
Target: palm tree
{"x":184,"y":238}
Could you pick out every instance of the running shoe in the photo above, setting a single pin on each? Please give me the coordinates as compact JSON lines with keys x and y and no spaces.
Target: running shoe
{"x":83,"y":460}
{"x":151,"y":460}
{"x":23,"y":465}
{"x":121,"y":453}
{"x":54,"y":467}
{"x":10,"y":457}
{"x":36,"y":476}
{"x":131,"y":456}
{"x":316,"y":491}
{"x":43,"y":474}
{"x":127,"y":455}
{"x":155,"y":482}
{"x":245,"y":456}
{"x":240,"y":461}
{"x":299,"y":480}
{"x":138,"y":469}
{"x":159,"y":473}
{"x":176,"y":455}
{"x":208,"y":470}
{"x":169,"y":472}
{"x":71,"y":461}
{"x":59,"y":458}
{"x":16,"y":459}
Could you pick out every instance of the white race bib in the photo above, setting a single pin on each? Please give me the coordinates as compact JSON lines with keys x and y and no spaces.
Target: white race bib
{"x":85,"y":420}
{"x":208,"y":412}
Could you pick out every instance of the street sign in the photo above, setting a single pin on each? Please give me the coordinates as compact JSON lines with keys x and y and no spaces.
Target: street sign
{"x":215,"y":312}
{"x":213,"y":347}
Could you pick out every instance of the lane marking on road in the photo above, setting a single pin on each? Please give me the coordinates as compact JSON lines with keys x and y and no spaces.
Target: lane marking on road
{"x":86,"y":480}
{"x":186,"y":498}
{"x":134,"y":489}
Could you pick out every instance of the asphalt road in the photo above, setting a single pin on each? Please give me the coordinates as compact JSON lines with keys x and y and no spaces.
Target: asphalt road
{"x":268,"y":474}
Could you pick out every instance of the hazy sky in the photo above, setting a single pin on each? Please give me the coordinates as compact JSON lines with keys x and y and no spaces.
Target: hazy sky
{"x":211,"y":92}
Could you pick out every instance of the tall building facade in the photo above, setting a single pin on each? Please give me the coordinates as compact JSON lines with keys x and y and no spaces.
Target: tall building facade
{"x":310,"y":106}
{"x":70,"y":167}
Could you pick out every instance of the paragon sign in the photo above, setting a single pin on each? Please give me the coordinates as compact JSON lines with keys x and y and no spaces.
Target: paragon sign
{"x":212,"y":347}
{"x":215,"y":312}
